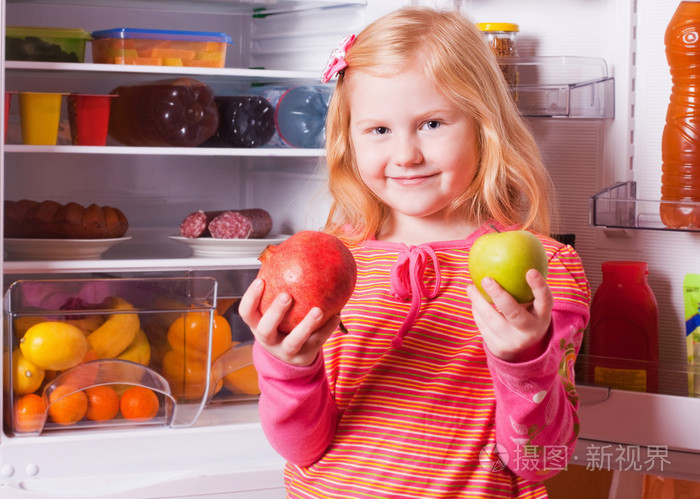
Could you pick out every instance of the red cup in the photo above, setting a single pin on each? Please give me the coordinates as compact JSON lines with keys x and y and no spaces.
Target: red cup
{"x":89,"y":118}
{"x":8,"y":98}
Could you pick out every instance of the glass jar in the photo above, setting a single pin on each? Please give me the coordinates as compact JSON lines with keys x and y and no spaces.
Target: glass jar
{"x":502,"y":38}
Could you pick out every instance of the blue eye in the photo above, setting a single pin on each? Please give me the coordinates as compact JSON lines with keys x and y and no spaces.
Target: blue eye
{"x":432,"y":125}
{"x":380,"y":130}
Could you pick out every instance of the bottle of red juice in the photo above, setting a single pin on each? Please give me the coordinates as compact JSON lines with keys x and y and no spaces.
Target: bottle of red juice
{"x":624,"y":329}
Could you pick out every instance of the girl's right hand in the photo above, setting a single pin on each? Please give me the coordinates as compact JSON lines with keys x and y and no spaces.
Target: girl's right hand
{"x":301,"y":346}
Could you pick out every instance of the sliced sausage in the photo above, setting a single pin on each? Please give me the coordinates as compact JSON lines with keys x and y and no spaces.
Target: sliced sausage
{"x":241,"y":224}
{"x":197,"y":224}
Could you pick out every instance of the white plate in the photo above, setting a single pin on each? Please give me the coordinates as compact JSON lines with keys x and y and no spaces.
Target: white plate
{"x":59,"y":249}
{"x":207,"y":246}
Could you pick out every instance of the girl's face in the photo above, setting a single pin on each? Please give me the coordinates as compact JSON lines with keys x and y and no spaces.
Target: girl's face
{"x":415,"y":149}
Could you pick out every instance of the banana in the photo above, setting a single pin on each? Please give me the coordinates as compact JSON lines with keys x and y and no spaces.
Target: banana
{"x":22,"y":324}
{"x":88,"y":323}
{"x":117,"y":332}
{"x":139,"y":351}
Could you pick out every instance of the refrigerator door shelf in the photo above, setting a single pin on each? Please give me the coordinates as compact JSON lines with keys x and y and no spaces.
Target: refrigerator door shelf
{"x":643,"y":432}
{"x":618,"y":207}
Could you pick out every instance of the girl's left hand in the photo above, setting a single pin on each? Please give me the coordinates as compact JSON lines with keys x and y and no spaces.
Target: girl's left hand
{"x":512,"y":331}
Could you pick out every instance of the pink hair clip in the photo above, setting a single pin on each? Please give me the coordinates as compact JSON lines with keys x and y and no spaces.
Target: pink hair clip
{"x":336,"y":62}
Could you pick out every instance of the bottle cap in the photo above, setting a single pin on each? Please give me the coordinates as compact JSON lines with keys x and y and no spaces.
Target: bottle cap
{"x":627,"y":269}
{"x":498,"y":27}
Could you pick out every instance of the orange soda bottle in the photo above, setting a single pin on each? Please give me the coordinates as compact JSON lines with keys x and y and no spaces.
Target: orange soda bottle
{"x":680,"y":143}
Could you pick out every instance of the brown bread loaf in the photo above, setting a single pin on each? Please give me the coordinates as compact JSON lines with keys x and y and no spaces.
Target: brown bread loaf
{"x":52,"y":220}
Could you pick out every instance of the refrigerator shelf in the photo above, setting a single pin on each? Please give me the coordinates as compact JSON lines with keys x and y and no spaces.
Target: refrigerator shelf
{"x":263,"y":152}
{"x":562,"y":86}
{"x":127,"y":265}
{"x":667,"y":415}
{"x":58,"y":69}
{"x":617,"y":207}
{"x":148,"y":250}
{"x":237,"y":7}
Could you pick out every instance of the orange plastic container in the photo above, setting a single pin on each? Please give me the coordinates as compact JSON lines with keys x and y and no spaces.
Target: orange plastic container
{"x":160,"y":47}
{"x":680,"y":142}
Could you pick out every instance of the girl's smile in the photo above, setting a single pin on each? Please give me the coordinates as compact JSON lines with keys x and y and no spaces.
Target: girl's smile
{"x":412,"y":180}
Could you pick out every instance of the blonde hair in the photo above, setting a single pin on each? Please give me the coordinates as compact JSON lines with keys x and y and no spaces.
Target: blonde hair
{"x":510,"y":186}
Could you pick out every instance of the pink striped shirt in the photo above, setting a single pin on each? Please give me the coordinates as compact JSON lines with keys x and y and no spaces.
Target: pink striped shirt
{"x":410,"y":403}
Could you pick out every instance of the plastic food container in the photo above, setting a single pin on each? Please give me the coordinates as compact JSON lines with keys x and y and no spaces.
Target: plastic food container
{"x":160,"y":47}
{"x":45,"y":44}
{"x":67,"y":336}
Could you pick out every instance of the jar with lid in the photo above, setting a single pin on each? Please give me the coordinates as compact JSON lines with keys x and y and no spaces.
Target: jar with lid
{"x":502,"y":38}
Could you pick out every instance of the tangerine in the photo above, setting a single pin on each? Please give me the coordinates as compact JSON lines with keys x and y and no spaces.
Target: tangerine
{"x":29,"y":413}
{"x":243,"y":380}
{"x":66,"y":405}
{"x":139,"y":402}
{"x":103,"y":403}
{"x":187,"y":374}
{"x":190,"y":331}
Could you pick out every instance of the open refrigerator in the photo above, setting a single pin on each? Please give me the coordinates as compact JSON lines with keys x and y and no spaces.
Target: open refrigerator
{"x":594,"y":86}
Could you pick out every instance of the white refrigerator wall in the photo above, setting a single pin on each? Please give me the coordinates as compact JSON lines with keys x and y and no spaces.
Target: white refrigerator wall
{"x":583,"y":156}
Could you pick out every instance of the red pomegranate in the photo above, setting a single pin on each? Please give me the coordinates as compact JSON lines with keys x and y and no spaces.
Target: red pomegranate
{"x":315,"y":268}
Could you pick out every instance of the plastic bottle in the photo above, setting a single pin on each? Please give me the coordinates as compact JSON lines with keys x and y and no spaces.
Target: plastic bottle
{"x":300,"y":115}
{"x":244,"y":121}
{"x":680,"y":144}
{"x":624,"y":334}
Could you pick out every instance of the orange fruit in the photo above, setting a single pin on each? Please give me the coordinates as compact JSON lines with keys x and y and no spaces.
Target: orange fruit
{"x":190,"y":331}
{"x":29,"y":413}
{"x":187,"y":374}
{"x":67,"y":409}
{"x":103,"y":403}
{"x":243,"y":380}
{"x":139,"y":402}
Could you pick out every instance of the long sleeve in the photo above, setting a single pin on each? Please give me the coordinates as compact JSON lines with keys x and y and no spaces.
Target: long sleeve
{"x":297,"y":412}
{"x":536,"y":401}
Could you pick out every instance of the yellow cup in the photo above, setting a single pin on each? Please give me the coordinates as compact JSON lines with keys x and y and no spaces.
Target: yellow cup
{"x":40,"y":114}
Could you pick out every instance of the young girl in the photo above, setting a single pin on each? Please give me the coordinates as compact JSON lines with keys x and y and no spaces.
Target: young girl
{"x":433,"y":391}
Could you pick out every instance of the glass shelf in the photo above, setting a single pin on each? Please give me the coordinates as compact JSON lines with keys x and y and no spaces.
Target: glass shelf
{"x":618,"y":207}
{"x":255,"y":8}
{"x":148,"y":250}
{"x":562,"y":87}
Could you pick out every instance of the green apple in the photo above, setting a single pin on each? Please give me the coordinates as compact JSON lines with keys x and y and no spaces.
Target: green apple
{"x":506,"y":257}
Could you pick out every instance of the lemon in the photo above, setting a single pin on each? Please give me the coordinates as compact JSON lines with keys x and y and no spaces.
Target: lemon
{"x":26,"y":377}
{"x":54,"y":345}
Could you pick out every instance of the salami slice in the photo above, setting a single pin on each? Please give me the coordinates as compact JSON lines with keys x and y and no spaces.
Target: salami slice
{"x":197,"y":224}
{"x":241,"y":224}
